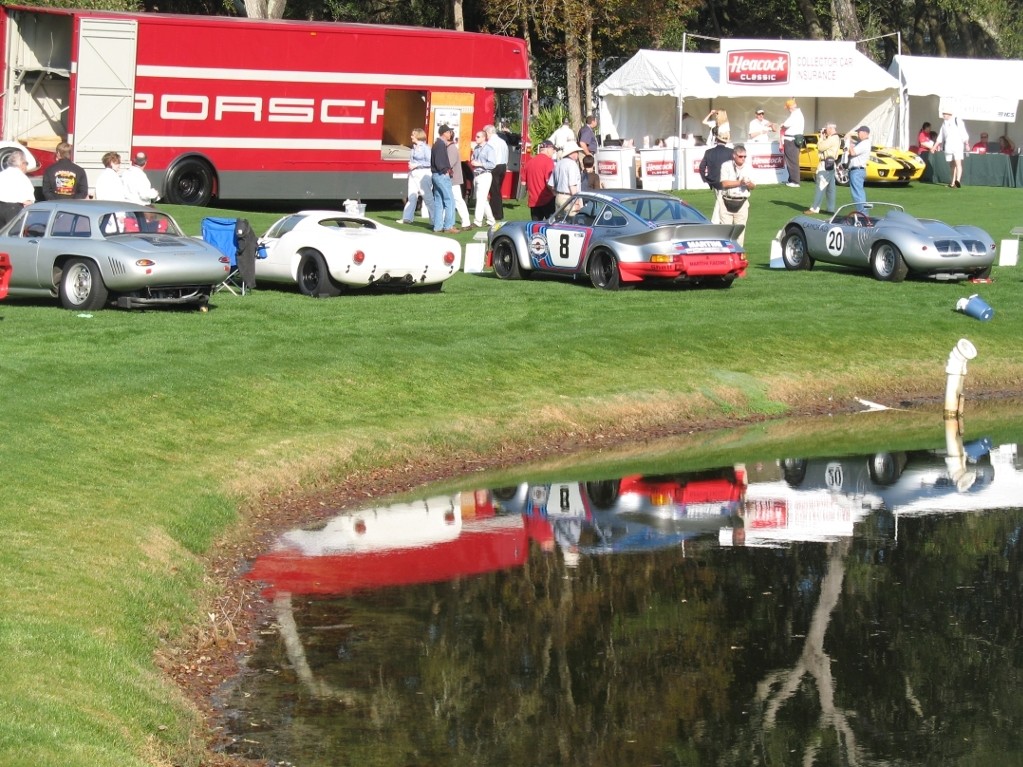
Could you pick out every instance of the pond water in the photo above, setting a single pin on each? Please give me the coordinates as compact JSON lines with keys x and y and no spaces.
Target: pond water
{"x":846,"y":609}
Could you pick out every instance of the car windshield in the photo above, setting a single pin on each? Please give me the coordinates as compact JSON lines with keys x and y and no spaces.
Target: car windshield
{"x":874,"y":211}
{"x":136,"y":221}
{"x":663,"y":210}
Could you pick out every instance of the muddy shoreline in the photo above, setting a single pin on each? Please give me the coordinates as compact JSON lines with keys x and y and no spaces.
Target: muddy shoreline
{"x":210,"y":654}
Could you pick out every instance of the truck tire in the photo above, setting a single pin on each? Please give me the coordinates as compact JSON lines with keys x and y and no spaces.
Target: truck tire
{"x":190,"y":182}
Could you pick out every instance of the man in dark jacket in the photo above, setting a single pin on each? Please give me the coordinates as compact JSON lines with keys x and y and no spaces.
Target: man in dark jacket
{"x":710,"y":169}
{"x":64,"y":179}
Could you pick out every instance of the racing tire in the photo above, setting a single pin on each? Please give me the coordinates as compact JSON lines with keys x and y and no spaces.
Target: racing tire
{"x":794,"y":251}
{"x":604,"y":271}
{"x":887,"y":263}
{"x":842,"y":175}
{"x":886,"y":468}
{"x":603,"y":493}
{"x":506,"y":260}
{"x":190,"y":182}
{"x":793,"y":470}
{"x":314,"y":278}
{"x":82,"y":287}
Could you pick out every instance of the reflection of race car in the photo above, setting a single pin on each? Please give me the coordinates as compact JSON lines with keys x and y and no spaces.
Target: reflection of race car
{"x":887,"y":165}
{"x":429,"y":541}
{"x":889,"y":242}
{"x":621,"y":237}
{"x":634,"y":513}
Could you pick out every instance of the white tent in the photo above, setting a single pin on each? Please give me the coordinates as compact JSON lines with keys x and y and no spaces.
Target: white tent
{"x":647,"y":95}
{"x":983,"y":92}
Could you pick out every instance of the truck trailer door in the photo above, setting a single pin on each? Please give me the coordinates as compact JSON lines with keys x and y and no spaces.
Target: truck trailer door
{"x":104,"y":99}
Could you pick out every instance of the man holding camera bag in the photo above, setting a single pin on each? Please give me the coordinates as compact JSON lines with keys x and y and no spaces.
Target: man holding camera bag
{"x":829,"y":147}
{"x":792,"y":140}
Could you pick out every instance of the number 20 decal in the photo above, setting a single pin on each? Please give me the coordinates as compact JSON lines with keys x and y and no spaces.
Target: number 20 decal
{"x":835,"y":241}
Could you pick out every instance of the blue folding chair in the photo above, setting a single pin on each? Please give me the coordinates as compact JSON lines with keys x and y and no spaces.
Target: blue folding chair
{"x":220,"y":233}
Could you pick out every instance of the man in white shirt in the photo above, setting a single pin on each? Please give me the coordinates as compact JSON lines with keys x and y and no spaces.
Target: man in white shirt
{"x":736,"y":185}
{"x":567,"y":178}
{"x":137,"y":188}
{"x":500,"y":168}
{"x":759,"y":131}
{"x":562,"y":137}
{"x":792,"y":128}
{"x":16,"y":190}
{"x":955,"y":141}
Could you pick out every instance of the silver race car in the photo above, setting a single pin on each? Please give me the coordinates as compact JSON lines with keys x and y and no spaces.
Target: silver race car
{"x":620,"y":237}
{"x":884,"y":239}
{"x":89,"y":252}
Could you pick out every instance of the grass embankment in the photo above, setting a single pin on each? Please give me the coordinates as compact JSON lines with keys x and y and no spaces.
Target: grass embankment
{"x":131,"y":439}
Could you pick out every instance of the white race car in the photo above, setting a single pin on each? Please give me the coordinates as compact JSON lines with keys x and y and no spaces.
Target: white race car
{"x":326,"y":252}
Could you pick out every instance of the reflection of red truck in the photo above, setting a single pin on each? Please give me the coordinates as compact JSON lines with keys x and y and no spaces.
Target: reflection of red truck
{"x":248,"y":109}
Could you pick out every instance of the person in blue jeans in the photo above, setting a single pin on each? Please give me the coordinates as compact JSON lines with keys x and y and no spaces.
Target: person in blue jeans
{"x":440,"y":169}
{"x":859,"y":153}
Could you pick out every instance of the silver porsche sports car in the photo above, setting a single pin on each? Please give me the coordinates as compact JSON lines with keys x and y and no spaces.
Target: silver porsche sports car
{"x":89,"y":252}
{"x":884,"y":239}
{"x":618,"y":237}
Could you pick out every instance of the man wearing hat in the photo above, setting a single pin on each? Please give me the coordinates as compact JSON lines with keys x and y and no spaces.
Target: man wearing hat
{"x":64,"y":179}
{"x":955,"y":141}
{"x":536,"y":175}
{"x":760,"y":128}
{"x":858,"y":142}
{"x":441,"y":171}
{"x":791,"y":140}
{"x":137,"y":188}
{"x":567,"y":176}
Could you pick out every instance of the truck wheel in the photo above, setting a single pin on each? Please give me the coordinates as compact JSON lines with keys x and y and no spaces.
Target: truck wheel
{"x":81,"y":286}
{"x":314,"y":278}
{"x":190,"y":182}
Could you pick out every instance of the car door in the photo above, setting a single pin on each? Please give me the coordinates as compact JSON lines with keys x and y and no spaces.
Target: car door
{"x":567,"y":236}
{"x":23,"y":241}
{"x":846,"y":243}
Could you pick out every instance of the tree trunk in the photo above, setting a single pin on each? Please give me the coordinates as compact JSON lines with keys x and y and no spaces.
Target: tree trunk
{"x":459,"y":16}
{"x":573,"y":67}
{"x":845,"y":17}
{"x":814,"y":30}
{"x":265,"y":9}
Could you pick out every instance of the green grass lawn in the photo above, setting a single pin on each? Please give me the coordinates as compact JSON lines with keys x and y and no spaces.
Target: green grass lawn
{"x":132,"y":439}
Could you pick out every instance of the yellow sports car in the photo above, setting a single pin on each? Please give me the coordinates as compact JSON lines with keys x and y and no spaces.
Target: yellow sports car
{"x":887,"y":165}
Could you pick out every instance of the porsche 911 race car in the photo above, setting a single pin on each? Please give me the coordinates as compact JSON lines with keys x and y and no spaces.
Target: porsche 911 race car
{"x":886,"y":165}
{"x":883,"y":238}
{"x":620,"y":237}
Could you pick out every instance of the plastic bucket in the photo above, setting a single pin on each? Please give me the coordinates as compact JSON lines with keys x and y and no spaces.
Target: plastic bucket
{"x":975,"y":307}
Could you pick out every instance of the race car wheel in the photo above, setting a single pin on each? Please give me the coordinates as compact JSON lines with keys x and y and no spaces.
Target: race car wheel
{"x":314,"y":278}
{"x":887,"y":263}
{"x":886,"y":468}
{"x":794,"y":471}
{"x":81,"y":286}
{"x":604,"y":273}
{"x":842,"y":175}
{"x":794,"y":252}
{"x":506,"y":260}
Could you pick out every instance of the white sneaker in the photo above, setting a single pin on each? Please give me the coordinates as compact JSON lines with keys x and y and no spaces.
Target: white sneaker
{"x":792,"y":183}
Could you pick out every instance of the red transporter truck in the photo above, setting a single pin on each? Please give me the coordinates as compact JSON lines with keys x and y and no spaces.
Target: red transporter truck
{"x":247,"y":109}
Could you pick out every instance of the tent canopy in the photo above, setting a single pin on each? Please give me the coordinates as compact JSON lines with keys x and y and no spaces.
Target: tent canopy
{"x":647,"y":95}
{"x":983,"y":92}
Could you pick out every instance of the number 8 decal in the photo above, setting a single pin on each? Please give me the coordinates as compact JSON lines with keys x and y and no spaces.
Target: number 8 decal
{"x":835,"y":241}
{"x":563,"y":246}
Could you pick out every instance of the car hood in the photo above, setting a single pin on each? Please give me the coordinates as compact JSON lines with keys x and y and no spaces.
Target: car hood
{"x":685,"y":232}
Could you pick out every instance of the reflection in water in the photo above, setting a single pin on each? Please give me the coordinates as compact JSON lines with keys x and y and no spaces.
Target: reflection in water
{"x":807,"y":611}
